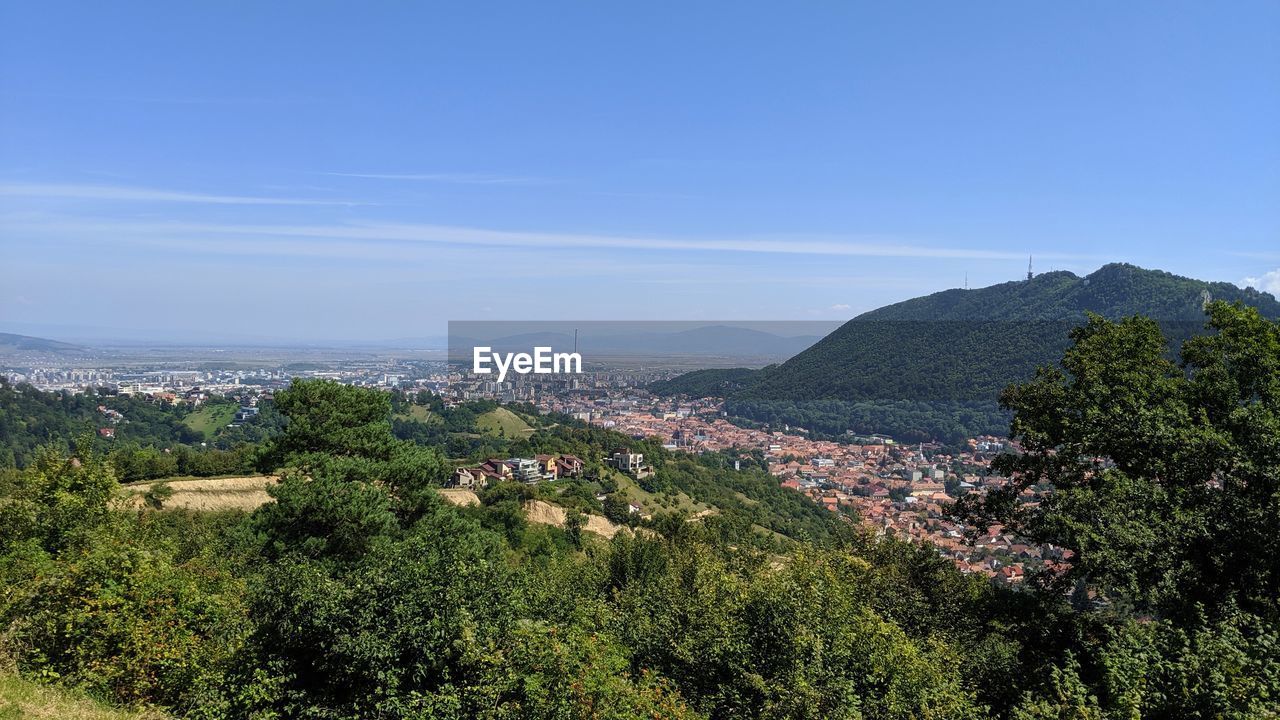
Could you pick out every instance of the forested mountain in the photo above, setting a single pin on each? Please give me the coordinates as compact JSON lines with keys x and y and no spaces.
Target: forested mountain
{"x":1113,"y":291}
{"x":712,"y":382}
{"x":934,"y":366}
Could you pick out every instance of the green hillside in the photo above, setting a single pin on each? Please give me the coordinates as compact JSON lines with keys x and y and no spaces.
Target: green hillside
{"x":210,"y":418}
{"x":934,"y":366}
{"x":1114,"y":290}
{"x":419,"y":413}
{"x":714,"y":382}
{"x":504,"y":423}
{"x":11,"y":344}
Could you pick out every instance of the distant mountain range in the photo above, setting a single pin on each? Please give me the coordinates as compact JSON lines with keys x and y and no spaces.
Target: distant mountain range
{"x":954,"y":350}
{"x":709,"y":340}
{"x":603,"y":341}
{"x":11,"y":344}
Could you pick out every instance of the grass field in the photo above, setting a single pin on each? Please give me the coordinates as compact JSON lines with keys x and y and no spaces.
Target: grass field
{"x":210,"y":418}
{"x":422,"y":415}
{"x":652,"y":502}
{"x":25,"y":700}
{"x":206,"y":494}
{"x":505,"y":423}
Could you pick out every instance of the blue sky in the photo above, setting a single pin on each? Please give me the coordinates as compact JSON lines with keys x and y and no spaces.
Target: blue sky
{"x":318,"y":170}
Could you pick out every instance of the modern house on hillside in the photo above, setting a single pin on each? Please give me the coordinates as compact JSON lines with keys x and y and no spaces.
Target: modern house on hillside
{"x":628,"y":462}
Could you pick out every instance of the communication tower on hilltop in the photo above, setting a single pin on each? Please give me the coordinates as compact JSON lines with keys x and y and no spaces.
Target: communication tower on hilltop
{"x":1029,"y":273}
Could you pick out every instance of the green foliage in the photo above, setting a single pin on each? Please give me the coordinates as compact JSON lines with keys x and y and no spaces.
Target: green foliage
{"x":93,"y":600}
{"x":616,"y":509}
{"x":56,"y":502}
{"x":329,"y":418}
{"x":796,"y":641}
{"x":21,"y":699}
{"x":1229,"y":668}
{"x":346,"y":431}
{"x":746,"y":498}
{"x":573,"y":522}
{"x":125,"y":622}
{"x":576,"y":674}
{"x":360,"y":593}
{"x":905,"y":420}
{"x":1153,"y":463}
{"x":324,"y":516}
{"x":157,"y":494}
{"x":134,"y":463}
{"x":405,"y":630}
{"x":30,"y":419}
{"x":714,"y":382}
{"x":1066,"y":698}
{"x":154,"y":440}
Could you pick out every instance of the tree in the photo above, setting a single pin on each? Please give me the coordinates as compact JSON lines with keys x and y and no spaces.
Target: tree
{"x":325,"y":516}
{"x":573,"y":523}
{"x":328,"y":417}
{"x":407,"y":629}
{"x":88,"y":595}
{"x":1165,"y":476}
{"x":56,"y":501}
{"x":347,"y":430}
{"x":617,"y":509}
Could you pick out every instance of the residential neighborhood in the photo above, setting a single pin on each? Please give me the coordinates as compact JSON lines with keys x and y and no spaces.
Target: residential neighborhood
{"x":895,"y":489}
{"x":539,"y":468}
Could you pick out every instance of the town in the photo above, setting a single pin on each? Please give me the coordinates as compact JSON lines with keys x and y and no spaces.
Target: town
{"x":899,"y":490}
{"x":894,"y":489}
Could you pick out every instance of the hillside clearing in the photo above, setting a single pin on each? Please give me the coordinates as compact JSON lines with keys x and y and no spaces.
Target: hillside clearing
{"x":209,"y":419}
{"x":503,"y":423}
{"x":651,"y":503}
{"x":422,"y":414}
{"x":207,"y":494}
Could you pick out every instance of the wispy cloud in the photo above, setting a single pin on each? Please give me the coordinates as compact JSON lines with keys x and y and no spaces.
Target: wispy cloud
{"x":1269,"y":282}
{"x":452,"y":178}
{"x":358,"y":239}
{"x":142,"y":194}
{"x":228,"y":100}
